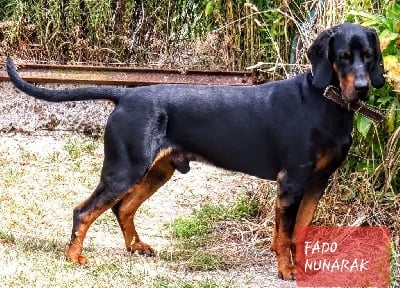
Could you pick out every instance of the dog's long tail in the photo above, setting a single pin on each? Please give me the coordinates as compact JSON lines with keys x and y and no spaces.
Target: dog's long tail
{"x":64,"y":95}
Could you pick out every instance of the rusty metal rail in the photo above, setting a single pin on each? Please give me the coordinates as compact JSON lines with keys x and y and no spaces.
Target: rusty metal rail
{"x":126,"y":76}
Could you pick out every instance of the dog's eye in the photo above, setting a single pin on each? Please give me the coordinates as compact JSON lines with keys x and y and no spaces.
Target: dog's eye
{"x":367,"y":54}
{"x":345,"y":56}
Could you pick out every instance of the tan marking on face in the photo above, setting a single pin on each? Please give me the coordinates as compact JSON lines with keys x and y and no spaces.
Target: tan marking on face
{"x":348,"y":87}
{"x":347,"y":84}
{"x":334,"y":65}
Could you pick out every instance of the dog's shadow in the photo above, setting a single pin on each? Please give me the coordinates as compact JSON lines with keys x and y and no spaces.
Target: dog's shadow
{"x":32,"y":245}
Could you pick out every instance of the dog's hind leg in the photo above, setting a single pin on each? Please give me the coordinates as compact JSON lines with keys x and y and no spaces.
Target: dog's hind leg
{"x":120,"y":172}
{"x":159,"y":173}
{"x":113,"y":186}
{"x":83,"y":216}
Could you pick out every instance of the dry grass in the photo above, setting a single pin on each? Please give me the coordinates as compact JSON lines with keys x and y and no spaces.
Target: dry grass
{"x":351,"y":200}
{"x":44,"y":177}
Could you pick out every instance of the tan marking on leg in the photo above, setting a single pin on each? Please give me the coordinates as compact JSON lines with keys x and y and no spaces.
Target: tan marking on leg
{"x":159,"y":173}
{"x":162,"y":154}
{"x":282,"y":246}
{"x":74,"y":250}
{"x":323,"y":160}
{"x":308,"y":206}
{"x":306,"y":212}
{"x":281,"y":242}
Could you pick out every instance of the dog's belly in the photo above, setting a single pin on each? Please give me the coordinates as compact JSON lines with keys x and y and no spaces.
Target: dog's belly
{"x":241,"y":152}
{"x":263,"y":169}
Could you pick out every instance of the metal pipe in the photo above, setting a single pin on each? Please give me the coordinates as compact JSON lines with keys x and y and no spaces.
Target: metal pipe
{"x":99,"y":75}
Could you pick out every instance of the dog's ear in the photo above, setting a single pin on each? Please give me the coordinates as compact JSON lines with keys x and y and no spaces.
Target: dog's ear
{"x":318,"y":54}
{"x":376,"y":72}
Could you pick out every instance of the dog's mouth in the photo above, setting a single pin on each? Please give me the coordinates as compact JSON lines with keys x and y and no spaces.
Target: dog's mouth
{"x":355,"y":95}
{"x":354,"y":90}
{"x":362,"y":94}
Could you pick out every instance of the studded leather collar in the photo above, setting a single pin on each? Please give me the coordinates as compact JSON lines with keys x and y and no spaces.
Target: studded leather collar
{"x":360,"y":107}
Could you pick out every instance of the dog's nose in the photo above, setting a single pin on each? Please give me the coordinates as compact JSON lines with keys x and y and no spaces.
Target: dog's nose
{"x":361,"y":87}
{"x":361,"y":84}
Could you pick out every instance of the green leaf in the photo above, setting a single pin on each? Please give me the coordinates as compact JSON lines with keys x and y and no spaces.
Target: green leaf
{"x":391,"y":117}
{"x":362,"y":166}
{"x":209,"y":8}
{"x":383,"y":100}
{"x":363,"y":125}
{"x":369,"y":19}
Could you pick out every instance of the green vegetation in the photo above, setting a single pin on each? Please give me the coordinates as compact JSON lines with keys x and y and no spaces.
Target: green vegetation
{"x":200,"y":224}
{"x":195,"y":233}
{"x":76,"y":147}
{"x":6,"y":237}
{"x":12,"y":177}
{"x":379,"y":146}
{"x":269,"y":36}
{"x":220,"y":34}
{"x":165,"y":283}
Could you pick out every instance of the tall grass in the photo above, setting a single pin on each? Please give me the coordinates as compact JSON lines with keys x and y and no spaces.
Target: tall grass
{"x":232,"y":34}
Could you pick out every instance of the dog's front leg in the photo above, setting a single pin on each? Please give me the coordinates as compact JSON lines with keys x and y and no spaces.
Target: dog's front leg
{"x":287,"y":204}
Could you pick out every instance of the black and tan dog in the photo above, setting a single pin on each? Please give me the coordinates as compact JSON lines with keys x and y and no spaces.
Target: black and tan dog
{"x":283,"y":130}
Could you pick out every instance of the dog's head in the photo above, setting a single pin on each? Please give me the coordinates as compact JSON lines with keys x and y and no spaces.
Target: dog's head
{"x":347,"y":56}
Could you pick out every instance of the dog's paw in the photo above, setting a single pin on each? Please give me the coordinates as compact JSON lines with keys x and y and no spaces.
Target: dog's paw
{"x":78,"y":259}
{"x":273,"y":246}
{"x":142,"y":249}
{"x":287,"y":272}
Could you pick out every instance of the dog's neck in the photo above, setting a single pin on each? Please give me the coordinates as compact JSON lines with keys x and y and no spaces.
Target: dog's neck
{"x":333,"y":93}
